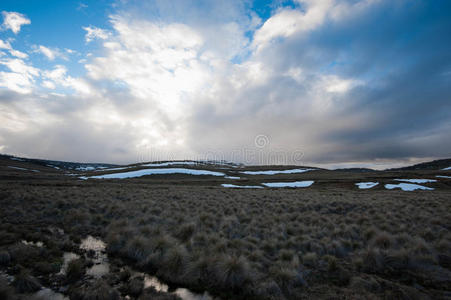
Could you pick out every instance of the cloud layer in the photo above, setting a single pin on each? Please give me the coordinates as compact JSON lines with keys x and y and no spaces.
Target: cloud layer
{"x":323,"y":81}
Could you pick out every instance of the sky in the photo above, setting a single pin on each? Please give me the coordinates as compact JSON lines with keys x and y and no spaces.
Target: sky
{"x":306,"y":82}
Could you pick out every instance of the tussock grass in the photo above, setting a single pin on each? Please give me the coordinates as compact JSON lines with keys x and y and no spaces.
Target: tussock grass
{"x":26,"y":283}
{"x":75,"y":270}
{"x":5,"y":258}
{"x":273,"y":244}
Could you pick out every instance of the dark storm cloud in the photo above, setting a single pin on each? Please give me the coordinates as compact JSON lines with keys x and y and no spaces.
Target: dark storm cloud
{"x":401,"y":50}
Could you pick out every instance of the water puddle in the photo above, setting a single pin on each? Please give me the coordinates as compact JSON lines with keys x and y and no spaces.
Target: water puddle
{"x":67,"y":258}
{"x":48,"y":294}
{"x":95,"y":250}
{"x":152,"y":281}
{"x":184,"y":294}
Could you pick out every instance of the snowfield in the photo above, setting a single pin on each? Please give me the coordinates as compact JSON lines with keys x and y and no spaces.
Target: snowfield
{"x":171,"y":163}
{"x":294,"y":184}
{"x":145,"y":172}
{"x":417,"y":180}
{"x":112,"y":169}
{"x":22,"y":169}
{"x":366,"y":185}
{"x":271,"y":172}
{"x":241,"y":186}
{"x":407,"y":187}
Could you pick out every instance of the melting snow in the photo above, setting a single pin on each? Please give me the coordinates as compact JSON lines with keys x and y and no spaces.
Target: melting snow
{"x":241,"y":186}
{"x":407,"y":187}
{"x":144,"y":172}
{"x":112,"y":169}
{"x":273,"y":172}
{"x":23,"y":169}
{"x":170,"y":163}
{"x":87,"y":168}
{"x":15,"y":158}
{"x":294,"y":184}
{"x":366,"y":185}
{"x":417,"y":180}
{"x":442,"y":176}
{"x":17,"y":168}
{"x":232,"y":177}
{"x":52,"y":166}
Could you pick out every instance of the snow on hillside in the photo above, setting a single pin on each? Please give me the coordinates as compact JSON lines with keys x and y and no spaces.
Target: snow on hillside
{"x":145,"y":172}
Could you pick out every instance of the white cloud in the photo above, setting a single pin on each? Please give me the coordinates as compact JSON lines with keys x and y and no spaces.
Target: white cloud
{"x":58,"y":76}
{"x":157,"y":63}
{"x":14,"y":21}
{"x":290,"y":21}
{"x":335,"y":84}
{"x":50,"y":53}
{"x":5,"y":45}
{"x":21,"y":78}
{"x":18,"y":53}
{"x":287,"y":22}
{"x":48,"y":84}
{"x":93,"y":33}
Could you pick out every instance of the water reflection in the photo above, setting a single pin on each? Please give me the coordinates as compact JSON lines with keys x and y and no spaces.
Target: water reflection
{"x":99,"y":257}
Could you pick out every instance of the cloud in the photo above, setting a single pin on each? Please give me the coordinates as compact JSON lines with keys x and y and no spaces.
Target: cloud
{"x":14,"y":21}
{"x":21,"y":76}
{"x":50,"y":53}
{"x":6,"y":45}
{"x":339,"y":81}
{"x":59,"y":77}
{"x":93,"y":33}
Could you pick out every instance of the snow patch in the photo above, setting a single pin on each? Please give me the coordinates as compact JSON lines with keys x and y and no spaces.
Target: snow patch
{"x":112,"y":169}
{"x":417,"y":180}
{"x":18,"y":159}
{"x":294,"y":184}
{"x":366,"y":185}
{"x":22,"y":169}
{"x":273,"y":172}
{"x":17,"y":168}
{"x":241,"y":186}
{"x":232,"y":177}
{"x":407,"y":187}
{"x":443,"y":176}
{"x":144,"y":172}
{"x":447,"y":169}
{"x":89,"y":168}
{"x":170,"y":163}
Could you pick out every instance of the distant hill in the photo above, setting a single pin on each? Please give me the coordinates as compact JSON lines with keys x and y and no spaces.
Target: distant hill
{"x":431,"y":165}
{"x":357,"y":170}
{"x":65,"y":165}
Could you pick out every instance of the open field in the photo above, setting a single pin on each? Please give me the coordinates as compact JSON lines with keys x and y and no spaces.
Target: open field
{"x":328,"y":240}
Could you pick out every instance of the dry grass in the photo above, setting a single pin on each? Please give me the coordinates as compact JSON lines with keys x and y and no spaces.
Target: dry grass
{"x":269,"y":243}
